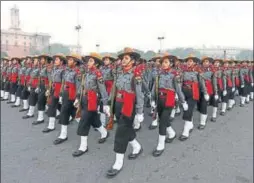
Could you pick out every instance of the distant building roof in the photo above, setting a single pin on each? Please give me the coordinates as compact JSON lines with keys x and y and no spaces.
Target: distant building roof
{"x":11,"y":31}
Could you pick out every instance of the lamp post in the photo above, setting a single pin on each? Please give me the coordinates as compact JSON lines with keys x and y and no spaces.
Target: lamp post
{"x":160,"y":39}
{"x":98,"y":48}
{"x":77,"y":28}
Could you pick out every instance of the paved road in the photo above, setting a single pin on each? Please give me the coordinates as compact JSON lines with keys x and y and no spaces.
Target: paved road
{"x":222,"y":153}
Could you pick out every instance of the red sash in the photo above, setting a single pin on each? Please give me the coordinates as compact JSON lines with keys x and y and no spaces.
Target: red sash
{"x":209,"y":87}
{"x":71,"y":88}
{"x":14,"y":77}
{"x":92,"y":100}
{"x":108,"y":84}
{"x":219,"y":81}
{"x":35,"y":82}
{"x":170,"y":97}
{"x":229,"y":82}
{"x":57,"y":88}
{"x":22,"y":80}
{"x":128,"y":103}
{"x":237,"y":81}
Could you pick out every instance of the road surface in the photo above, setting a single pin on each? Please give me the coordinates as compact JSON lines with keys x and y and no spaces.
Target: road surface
{"x":222,"y":153}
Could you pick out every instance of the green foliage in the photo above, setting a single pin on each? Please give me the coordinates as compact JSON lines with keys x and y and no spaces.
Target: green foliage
{"x":56,"y":48}
{"x":245,"y":55}
{"x":4,"y":54}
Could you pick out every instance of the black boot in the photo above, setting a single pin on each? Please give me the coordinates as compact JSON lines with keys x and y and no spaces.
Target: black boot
{"x":112,"y":172}
{"x":213,"y":119}
{"x":201,"y":127}
{"x":78,"y":153}
{"x":157,"y":153}
{"x":132,"y":156}
{"x":170,"y":140}
{"x":38,"y":122}
{"x":152,"y":127}
{"x":22,"y":110}
{"x":47,"y":130}
{"x":102,"y":140}
{"x":27,"y":116}
{"x":60,"y":141}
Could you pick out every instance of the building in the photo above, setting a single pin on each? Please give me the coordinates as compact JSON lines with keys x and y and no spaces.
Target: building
{"x":16,"y":42}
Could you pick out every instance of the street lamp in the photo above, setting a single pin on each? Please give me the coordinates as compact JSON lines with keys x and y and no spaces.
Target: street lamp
{"x":98,"y":48}
{"x":160,"y":39}
{"x":77,"y":28}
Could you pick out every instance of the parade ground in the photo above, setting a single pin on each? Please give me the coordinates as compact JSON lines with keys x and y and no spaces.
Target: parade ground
{"x":221,"y":153}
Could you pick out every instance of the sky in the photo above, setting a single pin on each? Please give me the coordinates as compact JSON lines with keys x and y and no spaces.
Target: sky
{"x":118,"y":24}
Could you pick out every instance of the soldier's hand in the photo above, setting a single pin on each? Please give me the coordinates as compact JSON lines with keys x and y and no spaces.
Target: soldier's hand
{"x":224,"y":93}
{"x":176,"y":97}
{"x":153,"y":105}
{"x":60,"y":100}
{"x":206,"y":96}
{"x":106,"y":110}
{"x":242,"y":86}
{"x":47,"y":93}
{"x":139,"y":117}
{"x":252,"y":84}
{"x":29,"y":88}
{"x":233,"y":89}
{"x":185,"y":106}
{"x":216,"y":97}
{"x":76,"y":103}
{"x":37,"y":90}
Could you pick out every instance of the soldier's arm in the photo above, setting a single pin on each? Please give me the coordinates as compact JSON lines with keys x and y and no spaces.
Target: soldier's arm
{"x":78,"y":78}
{"x":102,"y":88}
{"x":202,"y":82}
{"x":178,"y":88}
{"x":233,"y":77}
{"x":241,"y":76}
{"x":251,"y":75}
{"x":224,"y":79}
{"x":214,"y":83}
{"x":139,"y":94}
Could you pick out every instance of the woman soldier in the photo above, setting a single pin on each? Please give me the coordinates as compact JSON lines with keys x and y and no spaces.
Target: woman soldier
{"x":234,"y":76}
{"x":21,"y":79}
{"x":108,"y":77}
{"x":42,"y":87}
{"x":218,"y":87}
{"x":192,"y":83}
{"x":4,"y":64}
{"x":69,"y":87}
{"x":92,"y":84}
{"x":167,"y":85}
{"x":32,"y":85}
{"x":245,"y":82}
{"x":14,"y":79}
{"x":251,"y":80}
{"x":208,"y":91}
{"x":229,"y":86}
{"x":53,"y":91}
{"x":24,"y":81}
{"x":7,"y":83}
{"x":129,"y":104}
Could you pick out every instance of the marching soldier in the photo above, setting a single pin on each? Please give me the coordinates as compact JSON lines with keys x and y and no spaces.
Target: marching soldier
{"x":231,"y":101}
{"x":69,"y":87}
{"x":24,"y":79}
{"x":21,"y":78}
{"x":87,"y":99}
{"x":167,"y":85}
{"x":53,"y":92}
{"x":32,"y":85}
{"x":229,"y":87}
{"x":245,"y":81}
{"x":108,"y":77}
{"x":42,"y":86}
{"x":129,"y":104}
{"x":177,"y":65}
{"x":7,"y":81}
{"x":154,"y":73}
{"x":251,"y":80}
{"x":218,"y":87}
{"x":4,"y":66}
{"x":14,"y":78}
{"x":192,"y":83}
{"x":208,"y":91}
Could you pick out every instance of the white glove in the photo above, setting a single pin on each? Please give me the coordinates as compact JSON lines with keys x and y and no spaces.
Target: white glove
{"x":176,"y":97}
{"x":29,"y":88}
{"x":139,"y":117}
{"x":47,"y":93}
{"x":60,"y":100}
{"x":76,"y":103}
{"x":37,"y":90}
{"x":206,"y":97}
{"x":233,"y":89}
{"x":106,"y":110}
{"x":224,"y":92}
{"x":153,"y":105}
{"x":242,"y":86}
{"x":252,"y":84}
{"x":216,"y":97}
{"x":185,"y":106}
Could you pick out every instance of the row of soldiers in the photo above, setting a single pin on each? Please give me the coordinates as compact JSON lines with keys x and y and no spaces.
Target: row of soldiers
{"x":103,"y":91}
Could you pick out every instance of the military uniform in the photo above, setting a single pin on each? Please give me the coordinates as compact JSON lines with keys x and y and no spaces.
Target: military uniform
{"x":32,"y":85}
{"x":92,"y":91}
{"x":129,"y":104}
{"x":14,"y":79}
{"x":7,"y":83}
{"x":245,"y":82}
{"x":53,"y":93}
{"x":168,"y":84}
{"x":4,"y":66}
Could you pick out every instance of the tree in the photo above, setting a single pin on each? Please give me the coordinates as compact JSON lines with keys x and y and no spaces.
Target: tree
{"x":149,"y":54}
{"x":4,"y":54}
{"x":34,"y":52}
{"x":56,"y":48}
{"x":245,"y":55}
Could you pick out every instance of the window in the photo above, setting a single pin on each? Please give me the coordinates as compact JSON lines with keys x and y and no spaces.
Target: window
{"x":6,"y":42}
{"x":30,"y":44}
{"x":24,"y":43}
{"x":24,"y":49}
{"x":16,"y":43}
{"x":24,"y":37}
{"x":16,"y":36}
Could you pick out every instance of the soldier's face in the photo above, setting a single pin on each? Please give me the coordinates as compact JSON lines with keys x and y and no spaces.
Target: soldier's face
{"x":216,"y":63}
{"x":14,"y":61}
{"x":233,"y":64}
{"x":177,"y":62}
{"x":127,"y":60}
{"x":206,"y":63}
{"x":165,"y":63}
{"x":57,"y":61}
{"x":36,"y":61}
{"x":71,"y":62}
{"x":226,"y":64}
{"x":190,"y":62}
{"x":28,"y":61}
{"x":90,"y":63}
{"x":106,"y":61}
{"x":9,"y":62}
{"x":42,"y":60}
{"x":157,"y":62}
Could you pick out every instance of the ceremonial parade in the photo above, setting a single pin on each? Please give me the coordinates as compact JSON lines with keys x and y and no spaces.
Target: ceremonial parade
{"x":126,"y":92}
